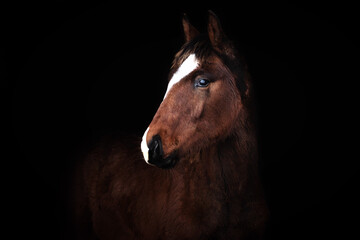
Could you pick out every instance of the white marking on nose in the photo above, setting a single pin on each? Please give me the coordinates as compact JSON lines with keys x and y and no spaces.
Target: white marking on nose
{"x":189,"y":65}
{"x":144,"y":147}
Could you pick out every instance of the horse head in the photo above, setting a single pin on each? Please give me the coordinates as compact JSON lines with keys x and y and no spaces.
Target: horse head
{"x":206,"y":90}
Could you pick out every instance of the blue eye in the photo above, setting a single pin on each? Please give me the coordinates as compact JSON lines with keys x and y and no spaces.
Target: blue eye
{"x":202,"y":82}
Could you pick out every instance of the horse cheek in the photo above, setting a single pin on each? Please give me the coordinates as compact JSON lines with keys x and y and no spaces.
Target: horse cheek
{"x":198,"y":111}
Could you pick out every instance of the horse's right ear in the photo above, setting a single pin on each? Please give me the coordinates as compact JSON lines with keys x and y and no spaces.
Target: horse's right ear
{"x":190,"y":31}
{"x":216,"y":34}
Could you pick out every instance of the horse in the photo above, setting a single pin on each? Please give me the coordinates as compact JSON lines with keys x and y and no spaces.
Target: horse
{"x":194,"y":173}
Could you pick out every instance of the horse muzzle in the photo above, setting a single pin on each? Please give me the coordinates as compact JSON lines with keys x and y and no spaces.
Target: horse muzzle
{"x":156,"y":154}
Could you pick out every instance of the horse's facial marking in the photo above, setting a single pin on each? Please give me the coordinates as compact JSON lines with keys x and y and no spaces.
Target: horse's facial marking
{"x":144,"y":146}
{"x":188,"y":66}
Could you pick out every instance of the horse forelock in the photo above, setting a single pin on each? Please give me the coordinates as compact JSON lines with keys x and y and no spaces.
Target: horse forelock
{"x":199,"y":46}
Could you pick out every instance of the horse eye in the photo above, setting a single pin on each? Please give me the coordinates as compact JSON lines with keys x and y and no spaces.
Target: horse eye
{"x":202,"y":82}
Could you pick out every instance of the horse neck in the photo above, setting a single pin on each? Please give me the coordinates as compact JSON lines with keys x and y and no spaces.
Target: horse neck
{"x":230,"y":161}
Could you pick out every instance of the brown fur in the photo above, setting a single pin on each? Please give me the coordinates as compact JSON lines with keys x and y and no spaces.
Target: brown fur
{"x":213,"y":192}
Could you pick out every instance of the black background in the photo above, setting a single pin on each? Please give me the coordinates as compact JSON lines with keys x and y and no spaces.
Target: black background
{"x":78,"y":70}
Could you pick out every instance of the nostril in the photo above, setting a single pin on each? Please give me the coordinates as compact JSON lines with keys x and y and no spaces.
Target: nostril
{"x":155,"y":149}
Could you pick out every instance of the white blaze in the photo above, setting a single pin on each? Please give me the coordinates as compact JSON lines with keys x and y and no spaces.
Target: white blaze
{"x":144,"y":147}
{"x":189,"y":65}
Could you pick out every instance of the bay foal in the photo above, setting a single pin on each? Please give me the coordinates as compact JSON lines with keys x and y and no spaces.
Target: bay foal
{"x":200,"y":176}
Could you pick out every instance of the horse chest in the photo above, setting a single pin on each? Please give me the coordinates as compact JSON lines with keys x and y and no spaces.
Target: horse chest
{"x":175,"y":207}
{"x":186,"y":211}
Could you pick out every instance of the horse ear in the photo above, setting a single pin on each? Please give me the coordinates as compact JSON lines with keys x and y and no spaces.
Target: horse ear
{"x":215,"y":31}
{"x":190,"y":31}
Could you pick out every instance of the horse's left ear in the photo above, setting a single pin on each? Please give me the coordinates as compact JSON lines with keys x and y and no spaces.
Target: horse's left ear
{"x":216,"y":34}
